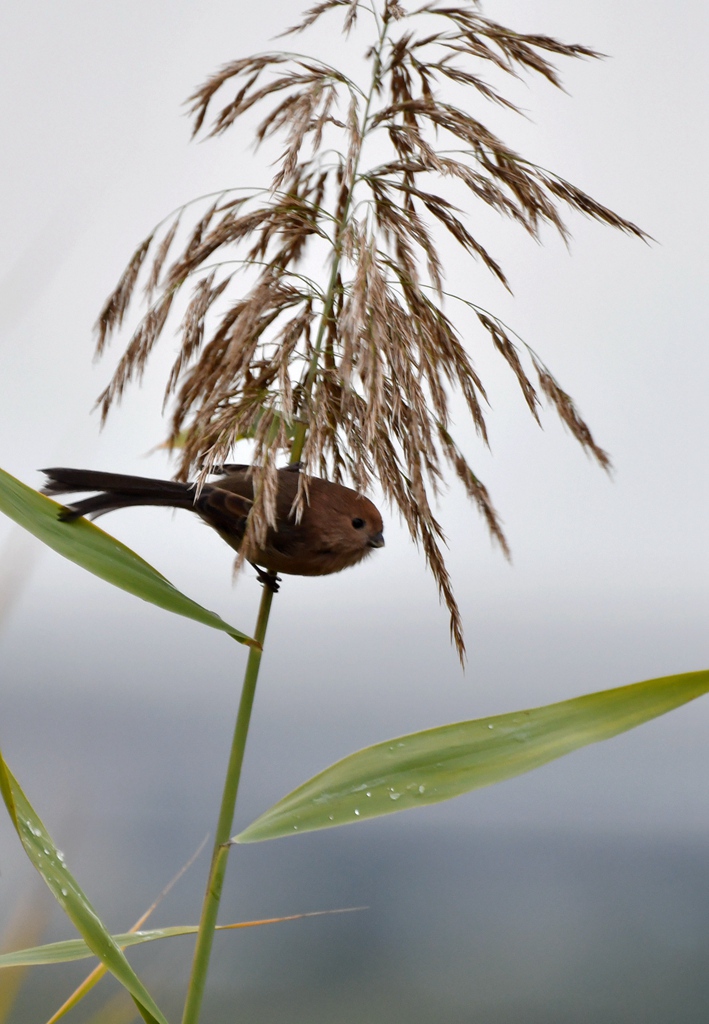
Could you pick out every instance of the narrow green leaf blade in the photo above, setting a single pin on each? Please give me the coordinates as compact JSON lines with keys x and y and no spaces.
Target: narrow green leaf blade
{"x":76,"y":949}
{"x":49,"y":862}
{"x":93,"y":549}
{"x":427,"y":767}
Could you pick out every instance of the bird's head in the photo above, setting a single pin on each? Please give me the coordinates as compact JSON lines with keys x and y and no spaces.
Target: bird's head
{"x":349,"y":526}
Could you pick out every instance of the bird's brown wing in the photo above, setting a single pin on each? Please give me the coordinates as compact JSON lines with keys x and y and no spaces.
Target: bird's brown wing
{"x":226,"y":504}
{"x":239,"y":481}
{"x":226,"y":511}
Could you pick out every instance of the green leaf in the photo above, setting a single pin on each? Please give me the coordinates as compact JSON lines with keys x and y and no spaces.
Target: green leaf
{"x":427,"y":767}
{"x":104,"y":556}
{"x":49,"y":861}
{"x":76,"y":949}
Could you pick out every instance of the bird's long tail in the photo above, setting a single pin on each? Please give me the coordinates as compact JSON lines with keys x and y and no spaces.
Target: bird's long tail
{"x":115,"y":490}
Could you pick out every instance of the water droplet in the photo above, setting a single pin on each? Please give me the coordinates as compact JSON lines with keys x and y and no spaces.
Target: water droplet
{"x":368,"y":793}
{"x":356,"y":812}
{"x":64,"y":892}
{"x":331,"y":817}
{"x":422,"y":789}
{"x":60,"y":856}
{"x":393,"y":795}
{"x":491,"y":726}
{"x":295,"y":828}
{"x":401,"y":743}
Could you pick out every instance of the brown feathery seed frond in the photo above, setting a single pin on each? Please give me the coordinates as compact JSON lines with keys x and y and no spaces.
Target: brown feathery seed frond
{"x":114,"y":309}
{"x":578,"y":200}
{"x":133,"y":361}
{"x":569,"y":415}
{"x":476,"y":490}
{"x":506,"y":347}
{"x":193,"y":325}
{"x":403,"y":227}
{"x":461,"y":77}
{"x":313,"y":13}
{"x":159,"y":259}
{"x":508,"y":47}
{"x":195,"y":240}
{"x":300,"y":118}
{"x":200,"y":100}
{"x":443,"y":213}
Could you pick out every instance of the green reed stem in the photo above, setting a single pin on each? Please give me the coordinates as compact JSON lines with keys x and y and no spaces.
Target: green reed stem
{"x":215,"y":881}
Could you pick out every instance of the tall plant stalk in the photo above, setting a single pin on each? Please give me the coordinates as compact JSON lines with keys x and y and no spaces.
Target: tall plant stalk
{"x":220,"y":852}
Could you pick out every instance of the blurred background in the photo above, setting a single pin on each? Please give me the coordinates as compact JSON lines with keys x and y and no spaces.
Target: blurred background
{"x":577,"y":893}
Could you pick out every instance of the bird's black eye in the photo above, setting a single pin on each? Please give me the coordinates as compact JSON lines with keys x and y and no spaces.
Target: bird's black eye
{"x":358,"y":523}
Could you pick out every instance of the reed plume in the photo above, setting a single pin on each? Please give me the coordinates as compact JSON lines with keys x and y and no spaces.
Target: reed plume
{"x":352,"y":375}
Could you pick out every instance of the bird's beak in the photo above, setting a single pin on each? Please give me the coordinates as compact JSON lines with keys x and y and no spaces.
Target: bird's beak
{"x":376,"y":541}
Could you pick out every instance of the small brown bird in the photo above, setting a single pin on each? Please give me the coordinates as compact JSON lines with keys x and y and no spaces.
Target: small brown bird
{"x":338,"y":527}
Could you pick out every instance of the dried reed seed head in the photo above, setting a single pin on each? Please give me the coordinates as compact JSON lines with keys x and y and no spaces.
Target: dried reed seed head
{"x":369,"y":360}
